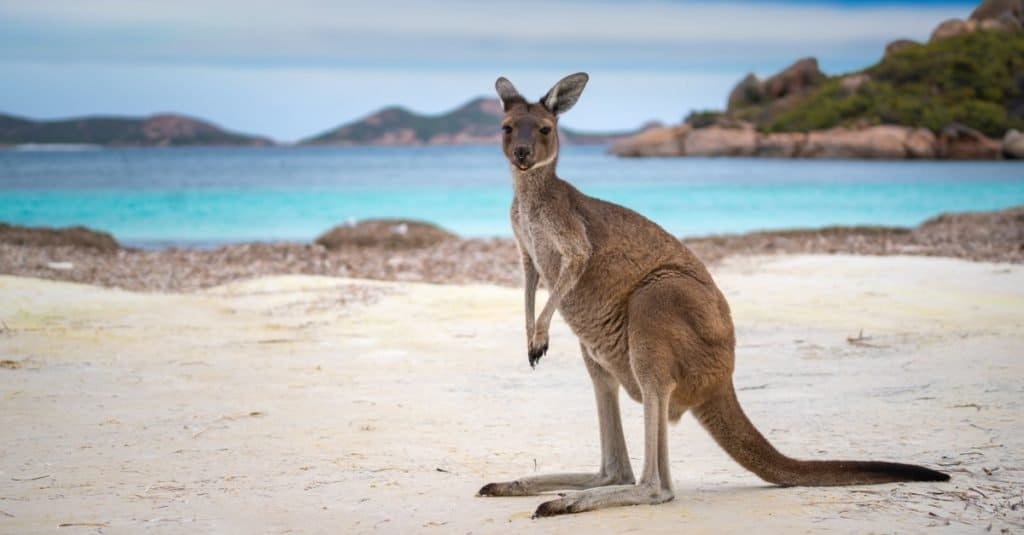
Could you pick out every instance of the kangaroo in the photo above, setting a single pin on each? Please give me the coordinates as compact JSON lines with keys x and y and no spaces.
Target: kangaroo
{"x":649,"y":319}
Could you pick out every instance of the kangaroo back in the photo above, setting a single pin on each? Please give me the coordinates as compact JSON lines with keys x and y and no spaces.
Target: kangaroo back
{"x":723,"y":417}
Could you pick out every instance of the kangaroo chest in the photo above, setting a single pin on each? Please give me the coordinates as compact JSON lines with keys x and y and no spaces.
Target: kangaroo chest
{"x":595,"y":316}
{"x":538,"y":243}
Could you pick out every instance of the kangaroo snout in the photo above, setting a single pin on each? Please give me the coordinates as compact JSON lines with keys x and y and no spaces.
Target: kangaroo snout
{"x":521,"y":153}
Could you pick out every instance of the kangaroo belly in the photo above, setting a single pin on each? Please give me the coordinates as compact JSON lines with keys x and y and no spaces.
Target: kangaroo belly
{"x":601,"y":327}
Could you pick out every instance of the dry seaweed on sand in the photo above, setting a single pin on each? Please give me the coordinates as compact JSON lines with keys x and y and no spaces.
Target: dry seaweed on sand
{"x":414,"y":251}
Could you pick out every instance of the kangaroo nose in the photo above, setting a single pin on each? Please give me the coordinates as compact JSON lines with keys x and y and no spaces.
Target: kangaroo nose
{"x":521,"y":153}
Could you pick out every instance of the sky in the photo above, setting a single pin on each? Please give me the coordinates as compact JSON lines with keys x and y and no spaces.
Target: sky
{"x":292,"y":70}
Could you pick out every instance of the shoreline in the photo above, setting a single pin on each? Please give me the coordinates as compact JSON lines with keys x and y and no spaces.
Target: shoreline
{"x":81,"y":255}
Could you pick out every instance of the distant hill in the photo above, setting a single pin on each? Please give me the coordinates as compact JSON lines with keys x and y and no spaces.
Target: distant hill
{"x":156,"y":131}
{"x":474,"y":123}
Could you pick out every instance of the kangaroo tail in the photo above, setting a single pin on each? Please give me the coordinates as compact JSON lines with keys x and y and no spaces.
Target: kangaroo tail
{"x":723,"y":417}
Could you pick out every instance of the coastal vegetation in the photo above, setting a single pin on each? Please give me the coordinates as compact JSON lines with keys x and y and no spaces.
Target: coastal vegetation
{"x":958,"y":96}
{"x":975,"y":79}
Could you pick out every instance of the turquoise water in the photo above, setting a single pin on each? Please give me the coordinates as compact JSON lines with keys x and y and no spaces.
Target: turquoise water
{"x":154,"y":197}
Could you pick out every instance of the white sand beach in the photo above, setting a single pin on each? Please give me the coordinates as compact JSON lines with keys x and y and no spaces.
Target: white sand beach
{"x":301,"y":404}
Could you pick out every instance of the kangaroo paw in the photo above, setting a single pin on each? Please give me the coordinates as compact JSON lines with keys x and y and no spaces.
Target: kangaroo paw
{"x":536,"y":352}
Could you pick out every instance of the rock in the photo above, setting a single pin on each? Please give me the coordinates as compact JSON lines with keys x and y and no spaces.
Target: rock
{"x":998,"y":236}
{"x":655,"y":141}
{"x":853,"y":82}
{"x":77,"y":237}
{"x":1013,"y":145}
{"x":1003,"y":23}
{"x":60,"y":266}
{"x":959,"y":142}
{"x":899,"y":44}
{"x":737,"y":138}
{"x":795,"y":79}
{"x":781,"y":145}
{"x":993,"y":9}
{"x":747,"y":92}
{"x":920,"y":144}
{"x":876,"y":142}
{"x":720,"y":141}
{"x":385,"y":233}
{"x":952,"y":28}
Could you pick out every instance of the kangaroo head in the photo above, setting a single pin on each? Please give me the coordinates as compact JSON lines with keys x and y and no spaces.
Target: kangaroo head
{"x":531,"y":129}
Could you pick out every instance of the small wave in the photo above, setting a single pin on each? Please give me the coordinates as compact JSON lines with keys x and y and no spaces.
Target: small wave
{"x":56,"y":147}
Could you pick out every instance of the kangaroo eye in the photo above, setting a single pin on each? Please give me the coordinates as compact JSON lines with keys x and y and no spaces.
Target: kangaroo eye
{"x":545,"y":130}
{"x":507,"y":129}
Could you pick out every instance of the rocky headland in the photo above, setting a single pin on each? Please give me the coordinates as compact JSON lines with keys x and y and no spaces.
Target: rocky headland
{"x":959,"y":97}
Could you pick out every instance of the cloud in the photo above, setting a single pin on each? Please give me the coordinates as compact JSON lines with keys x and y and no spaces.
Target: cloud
{"x":292,"y":103}
{"x":321,"y":32}
{"x":292,"y":71}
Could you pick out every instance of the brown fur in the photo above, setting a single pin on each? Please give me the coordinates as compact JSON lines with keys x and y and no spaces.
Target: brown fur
{"x":649,"y":318}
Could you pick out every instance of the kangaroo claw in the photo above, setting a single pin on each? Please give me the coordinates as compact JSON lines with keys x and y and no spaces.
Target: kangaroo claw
{"x":535,"y":353}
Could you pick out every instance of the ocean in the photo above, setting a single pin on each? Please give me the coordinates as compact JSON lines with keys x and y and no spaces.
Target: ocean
{"x":208,"y":196}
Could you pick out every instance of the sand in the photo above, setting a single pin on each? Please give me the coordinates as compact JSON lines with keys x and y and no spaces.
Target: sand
{"x":313,"y":404}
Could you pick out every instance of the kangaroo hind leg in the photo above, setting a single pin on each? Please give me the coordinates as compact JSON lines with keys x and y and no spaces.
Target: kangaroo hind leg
{"x":615,"y":466}
{"x":655,"y":484}
{"x":651,"y":358}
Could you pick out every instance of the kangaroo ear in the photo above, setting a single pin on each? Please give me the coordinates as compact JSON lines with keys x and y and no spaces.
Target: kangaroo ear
{"x":507,"y":92}
{"x":565,"y":93}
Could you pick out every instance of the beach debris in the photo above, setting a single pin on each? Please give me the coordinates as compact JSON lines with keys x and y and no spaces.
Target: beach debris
{"x":981,"y":236}
{"x":860,"y":340}
{"x":318,"y":483}
{"x":250,"y":414}
{"x":974,"y":406}
{"x":10,"y":364}
{"x":227,"y":417}
{"x":5,"y":513}
{"x":36,"y":478}
{"x":83,"y":524}
{"x":60,"y":266}
{"x":168,"y":486}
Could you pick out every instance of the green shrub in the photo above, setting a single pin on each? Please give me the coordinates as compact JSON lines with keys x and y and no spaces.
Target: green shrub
{"x":702,"y":118}
{"x":973,"y":79}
